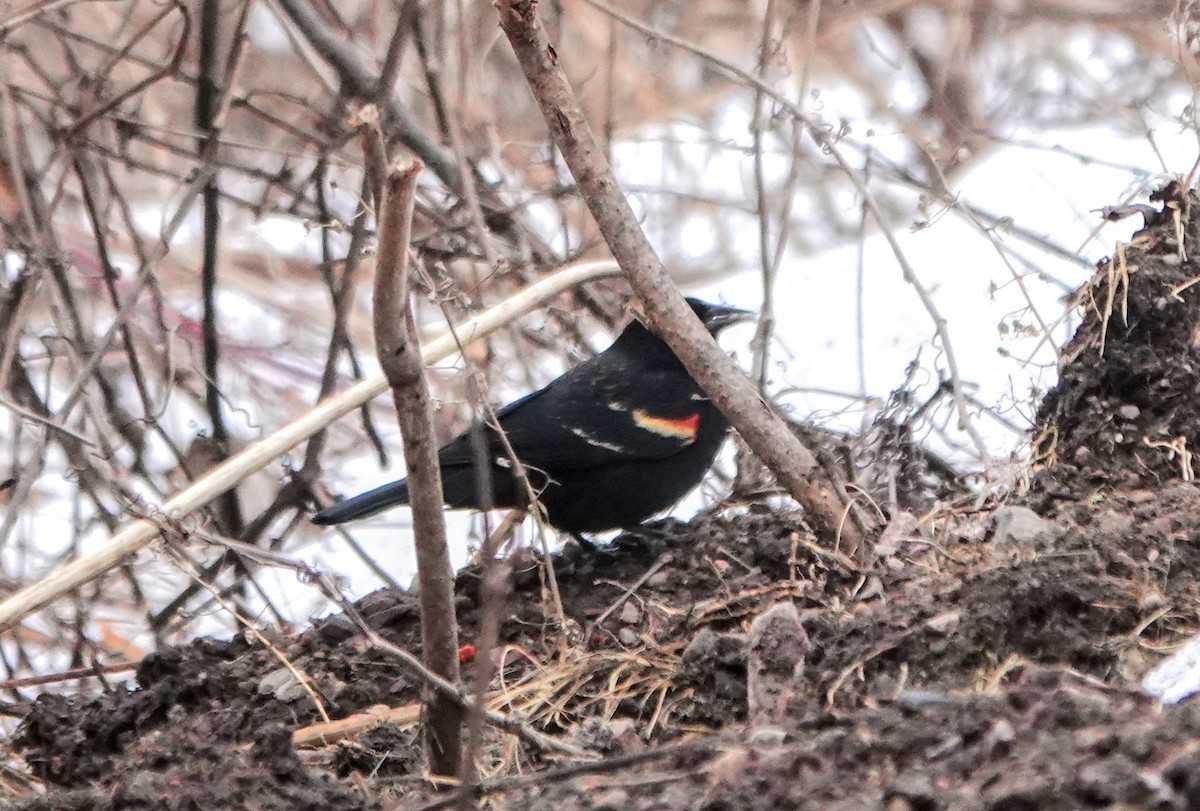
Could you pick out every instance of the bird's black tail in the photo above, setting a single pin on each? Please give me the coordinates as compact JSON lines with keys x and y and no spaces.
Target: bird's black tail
{"x":364,"y":505}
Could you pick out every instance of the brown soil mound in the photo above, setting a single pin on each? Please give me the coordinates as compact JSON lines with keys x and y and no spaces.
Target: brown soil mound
{"x":1125,"y":411}
{"x":983,"y":660}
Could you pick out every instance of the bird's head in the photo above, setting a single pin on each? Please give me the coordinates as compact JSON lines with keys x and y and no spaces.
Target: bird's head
{"x":717,"y":317}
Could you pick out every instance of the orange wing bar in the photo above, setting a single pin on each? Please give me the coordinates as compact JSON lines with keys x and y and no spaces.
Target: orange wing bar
{"x":678,"y":427}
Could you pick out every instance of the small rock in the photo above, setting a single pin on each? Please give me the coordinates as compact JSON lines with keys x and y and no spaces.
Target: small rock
{"x":917,"y":789}
{"x":336,"y":629}
{"x":702,"y":648}
{"x":857,"y":801}
{"x":728,"y":765}
{"x":283,"y":684}
{"x":143,"y":786}
{"x":916,"y":699}
{"x":778,"y":645}
{"x":630,"y":614}
{"x":1021,"y":526}
{"x":1116,"y":523}
{"x":658,"y":580}
{"x":1001,"y":736}
{"x":625,"y":732}
{"x":766,"y":736}
{"x":945,"y":622}
{"x":627,"y":637}
{"x":1129,"y":412}
{"x":1094,"y":782}
{"x":1183,"y":773}
{"x":1161,"y":794}
{"x":615,"y":799}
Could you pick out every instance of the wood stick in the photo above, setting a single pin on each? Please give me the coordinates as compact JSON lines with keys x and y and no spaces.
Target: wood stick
{"x":399,"y":351}
{"x":327,"y":732}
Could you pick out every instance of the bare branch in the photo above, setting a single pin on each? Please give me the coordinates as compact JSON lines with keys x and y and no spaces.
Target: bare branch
{"x":140,"y":534}
{"x":667,"y":314}
{"x":399,"y":352}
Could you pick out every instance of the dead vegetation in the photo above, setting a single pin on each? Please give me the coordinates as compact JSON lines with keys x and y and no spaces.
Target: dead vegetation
{"x":153,"y":323}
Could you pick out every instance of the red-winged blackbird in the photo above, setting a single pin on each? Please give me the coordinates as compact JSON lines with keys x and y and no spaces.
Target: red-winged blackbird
{"x":607,"y":445}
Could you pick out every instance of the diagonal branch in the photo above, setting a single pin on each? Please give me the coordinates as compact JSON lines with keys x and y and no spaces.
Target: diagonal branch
{"x":362,"y":82}
{"x":667,"y":314}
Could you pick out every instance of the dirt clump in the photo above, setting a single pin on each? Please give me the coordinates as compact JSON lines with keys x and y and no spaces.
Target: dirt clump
{"x":985,"y":658}
{"x":1124,"y":413}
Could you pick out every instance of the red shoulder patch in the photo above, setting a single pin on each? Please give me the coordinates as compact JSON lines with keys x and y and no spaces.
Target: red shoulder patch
{"x":684,"y":428}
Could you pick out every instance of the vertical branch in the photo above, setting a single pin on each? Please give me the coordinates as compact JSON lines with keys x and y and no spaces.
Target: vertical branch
{"x":610,"y":91}
{"x":761,"y":345}
{"x":400,"y":357}
{"x":207,"y":103}
{"x":667,"y":314}
{"x":860,"y":301}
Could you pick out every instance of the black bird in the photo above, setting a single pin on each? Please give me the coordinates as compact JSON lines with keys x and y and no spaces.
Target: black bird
{"x":606,"y":445}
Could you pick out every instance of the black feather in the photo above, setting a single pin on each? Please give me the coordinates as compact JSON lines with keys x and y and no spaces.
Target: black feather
{"x":606,"y":445}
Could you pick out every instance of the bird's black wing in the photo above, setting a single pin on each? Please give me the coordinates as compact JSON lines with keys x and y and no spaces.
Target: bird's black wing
{"x":592,"y":417}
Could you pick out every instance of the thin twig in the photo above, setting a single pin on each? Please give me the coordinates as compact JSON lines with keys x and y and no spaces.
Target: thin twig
{"x":140,"y":534}
{"x":821,"y":136}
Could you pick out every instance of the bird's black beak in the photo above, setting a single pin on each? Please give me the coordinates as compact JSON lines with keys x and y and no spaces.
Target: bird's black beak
{"x":719,"y":317}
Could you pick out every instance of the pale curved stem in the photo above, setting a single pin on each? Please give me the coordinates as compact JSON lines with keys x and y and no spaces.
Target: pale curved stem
{"x":141,"y":533}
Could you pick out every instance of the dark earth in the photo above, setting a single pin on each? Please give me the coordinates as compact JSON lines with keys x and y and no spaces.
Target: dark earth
{"x":985,"y":654}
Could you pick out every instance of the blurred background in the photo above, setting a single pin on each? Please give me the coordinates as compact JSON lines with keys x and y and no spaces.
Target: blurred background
{"x":909,"y":192}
